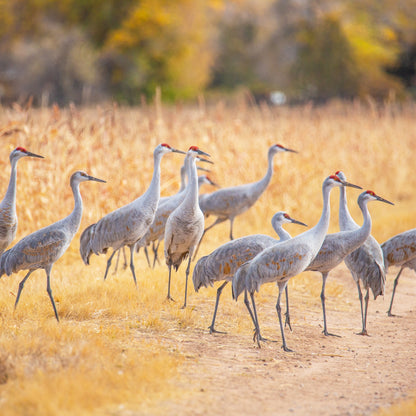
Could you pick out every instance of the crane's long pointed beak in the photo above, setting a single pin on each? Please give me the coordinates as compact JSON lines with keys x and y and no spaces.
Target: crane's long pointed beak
{"x":91,"y":178}
{"x":201,"y":159}
{"x":34,"y":155}
{"x":203,"y":169}
{"x":200,"y":152}
{"x":177,"y":151}
{"x":379,"y":198}
{"x":298,"y":222}
{"x":291,"y":150}
{"x":345,"y":183}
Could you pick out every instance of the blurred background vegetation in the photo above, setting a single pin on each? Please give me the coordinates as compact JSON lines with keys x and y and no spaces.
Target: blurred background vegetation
{"x":85,"y":51}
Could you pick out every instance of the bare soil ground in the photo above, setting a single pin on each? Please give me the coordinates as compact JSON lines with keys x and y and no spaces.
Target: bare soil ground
{"x":350,"y":375}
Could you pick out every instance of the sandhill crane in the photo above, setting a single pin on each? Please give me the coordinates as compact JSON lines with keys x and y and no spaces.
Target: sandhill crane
{"x":337,"y":246}
{"x":128,"y":224}
{"x":366,"y":263}
{"x":157,"y":228}
{"x":227,"y":203}
{"x":282,"y":261}
{"x":225,"y":260}
{"x":400,"y":250}
{"x":41,"y":249}
{"x":156,"y":231}
{"x":185,"y":225}
{"x":8,"y":217}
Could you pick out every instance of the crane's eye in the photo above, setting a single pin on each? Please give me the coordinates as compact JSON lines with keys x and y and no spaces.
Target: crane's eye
{"x":194,"y":148}
{"x":371,"y":193}
{"x":166,"y":145}
{"x":335,"y":178}
{"x":21,"y":149}
{"x":286,"y":216}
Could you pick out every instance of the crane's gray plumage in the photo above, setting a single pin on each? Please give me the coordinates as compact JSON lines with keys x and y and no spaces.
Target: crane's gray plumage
{"x":8,"y":217}
{"x":224,"y":261}
{"x":128,"y":224}
{"x":400,"y":250}
{"x":366,"y":264}
{"x":185,"y":225}
{"x":227,"y":203}
{"x":156,"y":231}
{"x":41,"y":249}
{"x":339,"y":245}
{"x":282,"y":261}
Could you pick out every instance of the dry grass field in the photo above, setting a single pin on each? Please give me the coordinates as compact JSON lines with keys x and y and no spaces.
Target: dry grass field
{"x":124,"y":351}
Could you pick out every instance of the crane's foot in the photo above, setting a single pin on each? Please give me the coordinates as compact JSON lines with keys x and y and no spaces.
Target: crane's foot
{"x":363,"y":332}
{"x":170,"y":299}
{"x":212,"y":330}
{"x":392,"y":315}
{"x":286,"y":349}
{"x":256,"y":337}
{"x":328,"y":334}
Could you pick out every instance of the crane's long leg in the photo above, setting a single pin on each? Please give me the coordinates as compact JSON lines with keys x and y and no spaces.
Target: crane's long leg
{"x":21,"y":285}
{"x":168,"y":297}
{"x":132,"y":250}
{"x":287,"y":315}
{"x":49,"y":290}
{"x":279,"y":314}
{"x":146,"y":252}
{"x":325,"y":331}
{"x":155,"y":249}
{"x":257,"y":333}
{"x":396,"y":282}
{"x":109,"y":263}
{"x":364,"y":321}
{"x":117,"y":259}
{"x":211,"y":327}
{"x":231,"y":228}
{"x":186,"y":277}
{"x":256,"y":324}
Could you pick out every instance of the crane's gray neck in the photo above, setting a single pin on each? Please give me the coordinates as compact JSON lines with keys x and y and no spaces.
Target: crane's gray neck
{"x":74,"y":219}
{"x":364,"y":231}
{"x":344,"y":217}
{"x":321,"y":228}
{"x":10,"y":196}
{"x":282,"y":233}
{"x":152,"y":193}
{"x":191,"y":196}
{"x":183,"y":175}
{"x":264,"y":182}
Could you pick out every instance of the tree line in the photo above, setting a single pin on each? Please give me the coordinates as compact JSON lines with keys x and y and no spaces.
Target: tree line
{"x":88,"y":50}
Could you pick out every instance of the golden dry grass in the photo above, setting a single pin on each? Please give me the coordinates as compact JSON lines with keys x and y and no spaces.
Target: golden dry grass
{"x":97,"y":353}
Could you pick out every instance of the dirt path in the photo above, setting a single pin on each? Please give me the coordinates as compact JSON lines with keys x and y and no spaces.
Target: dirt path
{"x":351,"y":375}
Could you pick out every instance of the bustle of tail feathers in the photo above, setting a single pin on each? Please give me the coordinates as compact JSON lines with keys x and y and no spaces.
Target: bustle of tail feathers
{"x":85,"y":244}
{"x":239,"y":280}
{"x":378,"y":285}
{"x":3,"y":262}
{"x":199,"y":278}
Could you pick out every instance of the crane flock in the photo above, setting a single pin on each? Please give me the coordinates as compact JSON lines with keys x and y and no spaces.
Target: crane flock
{"x":179,"y":221}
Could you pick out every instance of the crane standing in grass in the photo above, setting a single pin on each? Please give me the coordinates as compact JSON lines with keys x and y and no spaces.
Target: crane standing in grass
{"x":337,"y":246}
{"x":41,"y":249}
{"x":8,"y":217}
{"x":366,"y":263}
{"x":128,"y":224}
{"x":185,"y":225}
{"x":227,"y":203}
{"x":400,"y":250}
{"x":282,"y":261}
{"x":223,"y":262}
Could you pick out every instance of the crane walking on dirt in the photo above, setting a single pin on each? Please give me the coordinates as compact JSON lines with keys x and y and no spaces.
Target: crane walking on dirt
{"x":41,"y":249}
{"x":227,"y":203}
{"x":282,"y":261}
{"x":8,"y":217}
{"x":223,"y":262}
{"x":337,"y":246}
{"x":400,"y":250}
{"x":366,"y":263}
{"x":185,"y":225}
{"x":128,"y":224}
